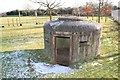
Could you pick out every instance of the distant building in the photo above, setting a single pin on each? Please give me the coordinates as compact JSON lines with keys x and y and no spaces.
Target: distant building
{"x":3,"y":14}
{"x":116,"y":15}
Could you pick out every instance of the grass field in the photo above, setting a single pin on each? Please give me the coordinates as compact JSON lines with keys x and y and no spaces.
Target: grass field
{"x":30,"y":37}
{"x":26,"y":21}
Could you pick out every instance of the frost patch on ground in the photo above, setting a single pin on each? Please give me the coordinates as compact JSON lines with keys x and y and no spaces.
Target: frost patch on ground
{"x":111,"y":59}
{"x":20,"y":64}
{"x":1,"y":65}
{"x":96,"y":63}
{"x":47,"y":68}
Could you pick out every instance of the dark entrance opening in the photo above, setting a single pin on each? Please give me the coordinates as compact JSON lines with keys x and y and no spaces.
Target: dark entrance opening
{"x":63,"y":50}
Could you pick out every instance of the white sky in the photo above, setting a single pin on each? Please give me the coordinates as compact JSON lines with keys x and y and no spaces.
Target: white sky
{"x":8,"y":5}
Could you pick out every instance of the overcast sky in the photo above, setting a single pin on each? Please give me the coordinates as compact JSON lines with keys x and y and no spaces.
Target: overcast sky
{"x":8,"y":5}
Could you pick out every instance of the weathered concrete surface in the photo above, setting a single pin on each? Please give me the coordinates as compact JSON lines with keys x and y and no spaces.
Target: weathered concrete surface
{"x":84,"y":38}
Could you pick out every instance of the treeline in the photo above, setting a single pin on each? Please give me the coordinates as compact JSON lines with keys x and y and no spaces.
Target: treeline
{"x":41,"y":12}
{"x":26,"y":12}
{"x":82,"y":11}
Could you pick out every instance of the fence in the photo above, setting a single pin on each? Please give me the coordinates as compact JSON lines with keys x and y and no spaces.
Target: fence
{"x":26,"y":21}
{"x":32,"y":21}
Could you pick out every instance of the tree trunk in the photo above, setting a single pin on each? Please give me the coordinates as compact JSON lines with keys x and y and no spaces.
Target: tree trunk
{"x":92,"y":16}
{"x":105,"y":18}
{"x":50,"y":15}
{"x":101,"y":16}
{"x":87,"y":15}
{"x":99,"y":13}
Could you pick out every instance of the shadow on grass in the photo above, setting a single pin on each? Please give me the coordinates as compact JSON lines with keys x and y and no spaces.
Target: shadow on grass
{"x":109,"y":56}
{"x":116,"y":55}
{"x":90,"y":60}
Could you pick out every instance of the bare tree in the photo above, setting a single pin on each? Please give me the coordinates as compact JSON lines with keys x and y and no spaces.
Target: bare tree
{"x":50,"y":5}
{"x":99,"y":9}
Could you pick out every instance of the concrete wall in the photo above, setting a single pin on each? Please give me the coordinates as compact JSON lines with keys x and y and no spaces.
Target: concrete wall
{"x":80,"y":50}
{"x":84,"y":39}
{"x":85,"y":45}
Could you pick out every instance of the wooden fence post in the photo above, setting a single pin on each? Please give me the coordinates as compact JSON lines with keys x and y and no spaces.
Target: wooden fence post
{"x":17,"y":21}
{"x":8,"y":22}
{"x":13,"y":22}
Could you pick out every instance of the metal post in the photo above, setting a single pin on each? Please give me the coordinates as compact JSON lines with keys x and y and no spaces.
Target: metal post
{"x":36,"y":17}
{"x":19,"y":19}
